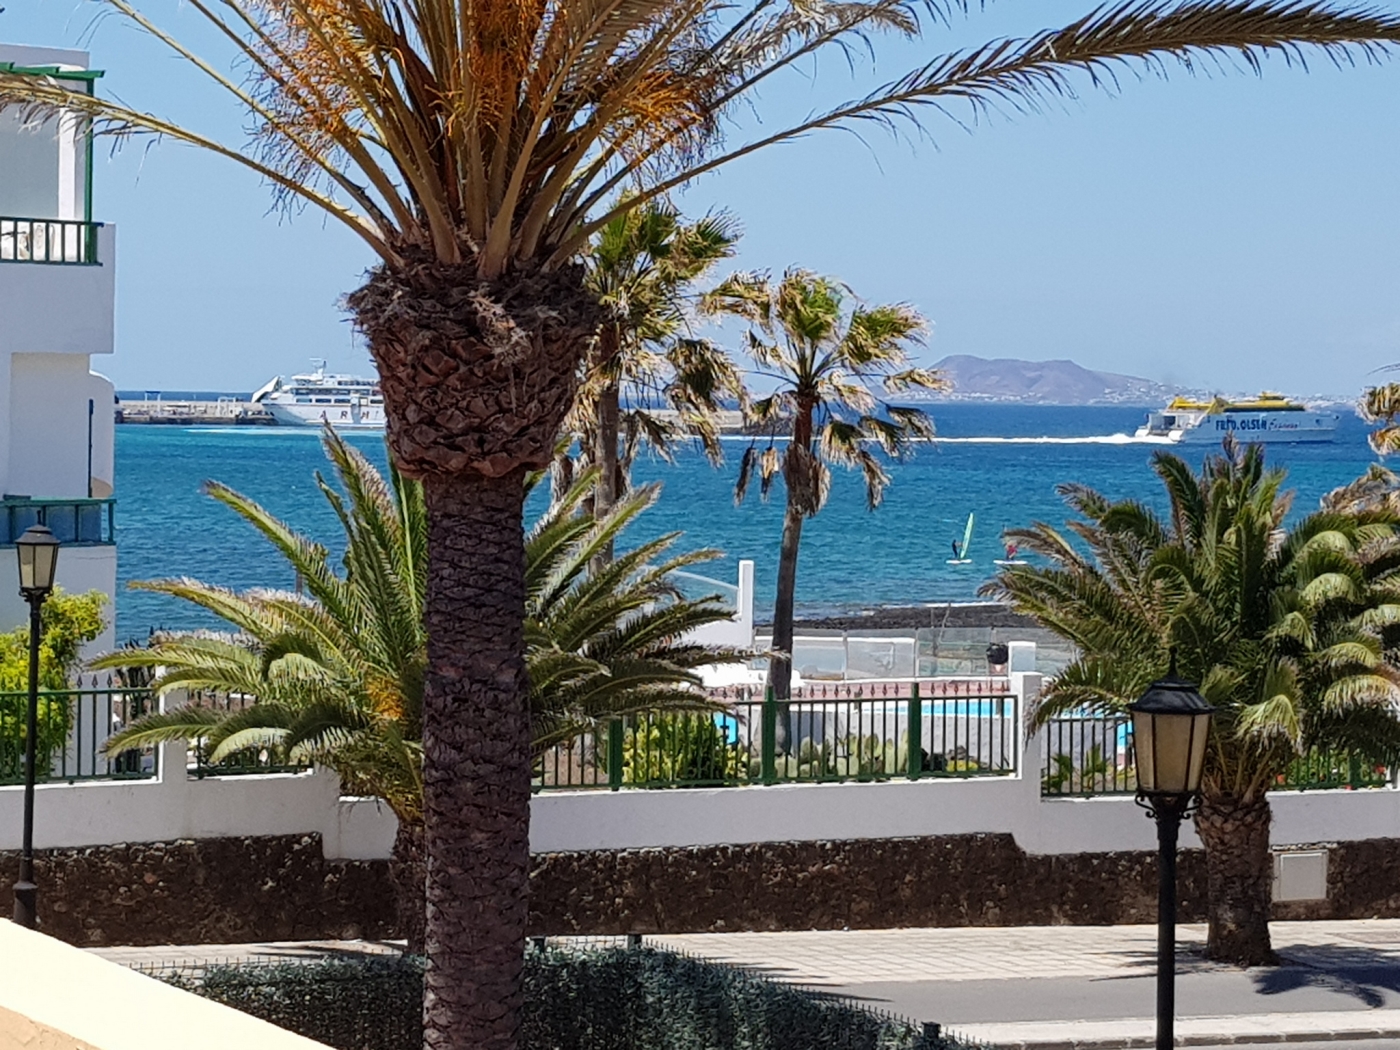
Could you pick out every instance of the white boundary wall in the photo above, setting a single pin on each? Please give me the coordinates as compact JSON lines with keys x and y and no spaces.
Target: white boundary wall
{"x":176,"y":806}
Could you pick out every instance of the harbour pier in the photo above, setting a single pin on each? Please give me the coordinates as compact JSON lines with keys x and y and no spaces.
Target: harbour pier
{"x":224,"y":412}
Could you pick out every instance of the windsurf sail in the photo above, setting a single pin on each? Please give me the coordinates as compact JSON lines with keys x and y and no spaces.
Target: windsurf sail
{"x":967,"y":539}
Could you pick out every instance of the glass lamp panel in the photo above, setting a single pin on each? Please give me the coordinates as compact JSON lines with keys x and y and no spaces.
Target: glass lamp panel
{"x":1200,"y":734}
{"x":1172,"y":756}
{"x":38,"y":557}
{"x":1142,"y":751}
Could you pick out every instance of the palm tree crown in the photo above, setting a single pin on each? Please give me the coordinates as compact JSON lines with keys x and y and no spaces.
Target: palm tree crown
{"x":823,"y":358}
{"x":641,"y":267}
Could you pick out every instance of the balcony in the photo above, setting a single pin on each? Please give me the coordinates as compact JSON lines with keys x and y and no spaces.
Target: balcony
{"x":60,"y":242}
{"x":75,"y":522}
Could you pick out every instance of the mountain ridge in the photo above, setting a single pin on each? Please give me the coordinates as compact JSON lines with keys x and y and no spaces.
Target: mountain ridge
{"x":1056,"y":382}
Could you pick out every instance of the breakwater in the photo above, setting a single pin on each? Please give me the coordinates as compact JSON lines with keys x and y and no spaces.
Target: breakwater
{"x":221,"y":413}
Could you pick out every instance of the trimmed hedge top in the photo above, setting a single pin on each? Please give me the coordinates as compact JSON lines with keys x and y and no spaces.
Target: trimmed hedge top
{"x":614,"y":999}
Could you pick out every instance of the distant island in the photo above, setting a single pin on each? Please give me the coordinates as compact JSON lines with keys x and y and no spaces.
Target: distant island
{"x":1045,"y":383}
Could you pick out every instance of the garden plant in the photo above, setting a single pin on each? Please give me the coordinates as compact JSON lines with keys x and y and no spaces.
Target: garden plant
{"x":70,"y":621}
{"x":822,"y":355}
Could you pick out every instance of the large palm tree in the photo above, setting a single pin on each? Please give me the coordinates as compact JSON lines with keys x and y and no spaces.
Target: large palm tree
{"x":821,"y":356}
{"x":642,"y":266}
{"x":1285,"y":628}
{"x":337,"y":673}
{"x":476,"y":148}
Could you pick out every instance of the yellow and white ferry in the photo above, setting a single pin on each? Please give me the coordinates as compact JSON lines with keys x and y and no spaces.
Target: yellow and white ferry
{"x":1269,"y":418}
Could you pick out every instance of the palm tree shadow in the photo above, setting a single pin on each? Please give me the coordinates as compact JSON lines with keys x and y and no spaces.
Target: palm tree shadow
{"x":1368,"y":975}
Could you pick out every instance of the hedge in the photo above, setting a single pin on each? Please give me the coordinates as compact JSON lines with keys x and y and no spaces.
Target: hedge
{"x":637,"y":999}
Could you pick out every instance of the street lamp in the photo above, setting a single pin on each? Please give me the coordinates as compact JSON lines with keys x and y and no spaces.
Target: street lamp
{"x":1171,"y":722}
{"x":38,"y":558}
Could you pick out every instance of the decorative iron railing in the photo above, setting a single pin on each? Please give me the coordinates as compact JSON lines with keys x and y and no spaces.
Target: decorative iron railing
{"x":824,"y":733}
{"x":55,"y":241}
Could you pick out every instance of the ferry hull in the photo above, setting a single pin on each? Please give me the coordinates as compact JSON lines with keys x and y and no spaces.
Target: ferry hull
{"x":342,"y":417}
{"x":1264,"y":428}
{"x":1276,"y":428}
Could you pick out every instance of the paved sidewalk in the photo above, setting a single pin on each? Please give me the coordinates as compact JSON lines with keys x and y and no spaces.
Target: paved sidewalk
{"x":1050,"y":987}
{"x":1038,"y":987}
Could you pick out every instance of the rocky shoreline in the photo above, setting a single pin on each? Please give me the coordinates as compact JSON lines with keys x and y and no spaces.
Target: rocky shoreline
{"x":913,"y":617}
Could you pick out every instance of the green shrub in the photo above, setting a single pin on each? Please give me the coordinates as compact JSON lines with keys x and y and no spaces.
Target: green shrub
{"x":637,"y":999}
{"x":686,"y":747}
{"x":70,"y":620}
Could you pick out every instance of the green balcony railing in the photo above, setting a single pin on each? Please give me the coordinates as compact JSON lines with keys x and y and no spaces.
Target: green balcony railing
{"x":69,"y":242}
{"x":74,"y":725}
{"x":75,"y":522}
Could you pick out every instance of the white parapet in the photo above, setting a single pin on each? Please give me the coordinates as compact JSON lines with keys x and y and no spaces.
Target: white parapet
{"x":177,"y":806}
{"x":57,"y":997}
{"x":59,"y":308}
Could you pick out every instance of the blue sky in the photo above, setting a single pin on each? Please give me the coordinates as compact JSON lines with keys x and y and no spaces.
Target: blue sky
{"x":1229,"y":231}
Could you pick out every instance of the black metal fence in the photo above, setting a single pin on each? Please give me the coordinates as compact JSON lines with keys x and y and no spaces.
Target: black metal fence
{"x":825,"y":733}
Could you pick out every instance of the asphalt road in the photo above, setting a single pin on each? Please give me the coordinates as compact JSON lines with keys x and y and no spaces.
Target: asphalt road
{"x":1328,"y":979}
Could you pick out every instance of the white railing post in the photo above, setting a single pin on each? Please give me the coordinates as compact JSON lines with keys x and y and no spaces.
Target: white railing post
{"x":1027,"y":685}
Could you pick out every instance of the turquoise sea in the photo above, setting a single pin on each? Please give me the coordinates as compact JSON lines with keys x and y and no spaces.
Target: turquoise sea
{"x":1001,"y":462}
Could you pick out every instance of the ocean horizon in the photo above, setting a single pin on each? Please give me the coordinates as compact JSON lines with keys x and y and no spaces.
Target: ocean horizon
{"x":999,"y":462}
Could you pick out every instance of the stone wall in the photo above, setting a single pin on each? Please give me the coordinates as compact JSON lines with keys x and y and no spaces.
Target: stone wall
{"x":953,"y":880}
{"x":206,"y":891}
{"x":282,"y":888}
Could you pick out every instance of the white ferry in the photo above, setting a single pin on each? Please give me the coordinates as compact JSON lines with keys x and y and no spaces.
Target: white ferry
{"x":347,"y":402}
{"x":1270,"y":417}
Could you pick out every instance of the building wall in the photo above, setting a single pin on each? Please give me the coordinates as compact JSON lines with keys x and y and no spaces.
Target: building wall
{"x":49,"y":426}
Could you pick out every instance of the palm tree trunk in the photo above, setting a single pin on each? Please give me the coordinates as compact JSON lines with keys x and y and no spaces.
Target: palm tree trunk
{"x":478,"y":376}
{"x":609,"y":487}
{"x":476,"y":745}
{"x":1239,"y":878}
{"x":408,"y":870}
{"x":780,"y":665}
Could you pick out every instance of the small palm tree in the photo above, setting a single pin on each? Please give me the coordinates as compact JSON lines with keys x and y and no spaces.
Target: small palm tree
{"x":1287,"y":630}
{"x":823,"y":358}
{"x":338,"y":672}
{"x":641,"y":266}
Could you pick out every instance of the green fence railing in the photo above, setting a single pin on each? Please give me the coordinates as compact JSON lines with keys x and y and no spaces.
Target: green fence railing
{"x":74,"y":725}
{"x":1093,"y":755}
{"x":54,"y":241}
{"x":250,"y":761}
{"x":825,"y":733}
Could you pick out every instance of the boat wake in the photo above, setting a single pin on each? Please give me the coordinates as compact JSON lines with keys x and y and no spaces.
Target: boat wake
{"x":1098,"y":439}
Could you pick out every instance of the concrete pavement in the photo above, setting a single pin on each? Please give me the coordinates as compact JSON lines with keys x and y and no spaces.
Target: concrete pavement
{"x":1075,"y":986}
{"x":1042,"y":987}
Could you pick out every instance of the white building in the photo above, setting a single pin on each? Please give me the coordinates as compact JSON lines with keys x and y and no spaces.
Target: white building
{"x":56,"y":311}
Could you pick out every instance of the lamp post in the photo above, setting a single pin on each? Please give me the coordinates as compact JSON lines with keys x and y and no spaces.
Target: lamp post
{"x":1171,"y":722}
{"x":38,"y":558}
